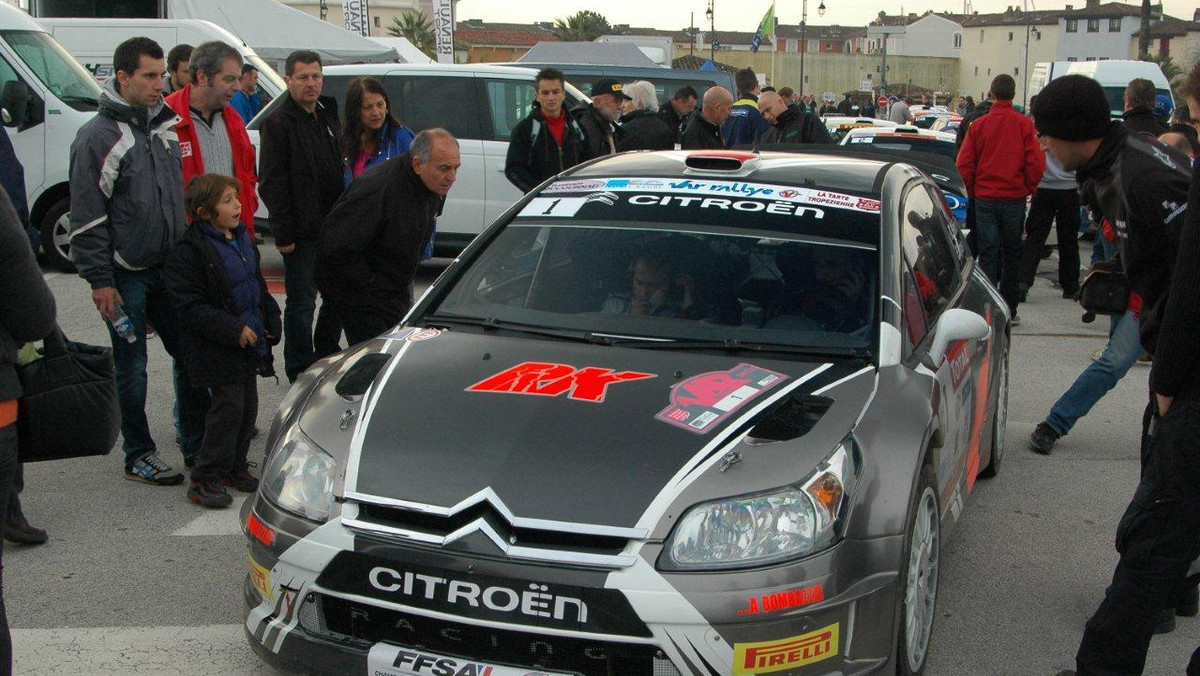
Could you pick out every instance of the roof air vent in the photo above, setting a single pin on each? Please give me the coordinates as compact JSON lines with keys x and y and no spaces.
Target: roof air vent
{"x":720,"y":160}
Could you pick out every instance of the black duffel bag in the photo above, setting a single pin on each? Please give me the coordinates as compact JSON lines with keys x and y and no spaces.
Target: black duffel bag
{"x":1104,"y":291}
{"x":68,"y":406}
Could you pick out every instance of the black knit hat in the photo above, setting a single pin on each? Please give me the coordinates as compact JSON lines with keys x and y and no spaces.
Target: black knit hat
{"x":1072,"y":108}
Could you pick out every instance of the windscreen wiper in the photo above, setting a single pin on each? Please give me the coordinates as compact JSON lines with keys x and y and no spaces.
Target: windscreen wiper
{"x":494,"y":324}
{"x":733,"y":346}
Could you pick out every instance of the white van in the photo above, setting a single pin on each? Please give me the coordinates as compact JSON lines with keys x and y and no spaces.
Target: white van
{"x":46,"y":97}
{"x":1114,"y":76}
{"x":479,"y":104}
{"x":93,"y":41}
{"x":1044,"y":72}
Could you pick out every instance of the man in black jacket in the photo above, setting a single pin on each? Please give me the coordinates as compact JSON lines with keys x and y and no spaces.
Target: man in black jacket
{"x":641,"y":127}
{"x":678,"y":111}
{"x":300,"y":177}
{"x":372,"y":241}
{"x":598,"y":118}
{"x":549,"y":140}
{"x":790,"y":123}
{"x":1141,"y":188}
{"x":1140,"y":98}
{"x":704,"y":131}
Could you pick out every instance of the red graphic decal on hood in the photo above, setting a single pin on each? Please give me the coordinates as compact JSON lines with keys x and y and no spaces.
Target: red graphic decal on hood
{"x":550,"y":380}
{"x":701,"y":402}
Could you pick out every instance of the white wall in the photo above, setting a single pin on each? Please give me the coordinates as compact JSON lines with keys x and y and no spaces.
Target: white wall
{"x":932,"y":35}
{"x":1084,"y":46}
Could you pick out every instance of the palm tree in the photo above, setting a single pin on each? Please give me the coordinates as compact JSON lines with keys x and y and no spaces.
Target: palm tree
{"x":582,"y":26}
{"x":413,"y":26}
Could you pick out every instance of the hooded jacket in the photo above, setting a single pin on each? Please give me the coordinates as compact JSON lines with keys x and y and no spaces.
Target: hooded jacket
{"x":372,"y":240}
{"x":126,"y":189}
{"x":1000,"y":158}
{"x":644,"y":130}
{"x":218,"y":286}
{"x":244,"y":161}
{"x":534,"y":155}
{"x":795,"y":125}
{"x":1141,"y":188}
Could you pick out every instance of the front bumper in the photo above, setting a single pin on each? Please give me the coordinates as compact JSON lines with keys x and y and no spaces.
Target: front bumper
{"x":763,"y":621}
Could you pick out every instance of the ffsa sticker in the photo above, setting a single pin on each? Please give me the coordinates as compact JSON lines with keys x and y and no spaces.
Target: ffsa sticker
{"x":701,"y":402}
{"x":390,"y":660}
{"x":551,"y":380}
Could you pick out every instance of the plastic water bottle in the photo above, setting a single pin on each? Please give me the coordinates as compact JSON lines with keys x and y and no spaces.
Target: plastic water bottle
{"x":123,"y":325}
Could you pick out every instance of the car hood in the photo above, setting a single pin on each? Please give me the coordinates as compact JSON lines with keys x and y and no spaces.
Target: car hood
{"x":559,"y":431}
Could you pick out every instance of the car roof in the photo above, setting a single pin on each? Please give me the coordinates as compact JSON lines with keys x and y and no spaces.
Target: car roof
{"x":830,"y":120}
{"x":900,"y":131}
{"x":833,"y":170}
{"x":377,"y":69}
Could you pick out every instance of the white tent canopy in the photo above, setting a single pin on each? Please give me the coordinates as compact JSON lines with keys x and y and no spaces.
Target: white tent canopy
{"x":274,"y":30}
{"x":408,"y":51}
{"x":588,"y":53}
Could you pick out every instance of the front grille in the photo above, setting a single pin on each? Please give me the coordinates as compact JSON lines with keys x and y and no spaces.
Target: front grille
{"x":348,"y":620}
{"x":442,"y":526}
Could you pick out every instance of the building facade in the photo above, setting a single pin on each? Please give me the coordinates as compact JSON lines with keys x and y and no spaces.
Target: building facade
{"x":1010,"y":42}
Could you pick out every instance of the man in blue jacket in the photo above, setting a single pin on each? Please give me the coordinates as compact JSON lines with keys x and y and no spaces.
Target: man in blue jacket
{"x":745,"y":123}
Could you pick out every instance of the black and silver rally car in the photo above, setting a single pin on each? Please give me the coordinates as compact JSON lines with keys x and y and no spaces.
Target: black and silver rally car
{"x":675,"y":413}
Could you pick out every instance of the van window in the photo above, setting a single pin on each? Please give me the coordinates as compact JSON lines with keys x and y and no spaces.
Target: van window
{"x":55,"y":68}
{"x":509,"y":102}
{"x":427,"y":102}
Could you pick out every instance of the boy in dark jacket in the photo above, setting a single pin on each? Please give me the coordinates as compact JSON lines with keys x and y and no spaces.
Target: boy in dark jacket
{"x":230,"y":321}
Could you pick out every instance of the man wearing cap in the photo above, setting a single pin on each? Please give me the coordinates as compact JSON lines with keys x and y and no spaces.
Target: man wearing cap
{"x":1141,"y":189}
{"x":600,"y":134}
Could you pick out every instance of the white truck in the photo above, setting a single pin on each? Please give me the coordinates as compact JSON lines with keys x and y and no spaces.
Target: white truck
{"x":1114,"y":76}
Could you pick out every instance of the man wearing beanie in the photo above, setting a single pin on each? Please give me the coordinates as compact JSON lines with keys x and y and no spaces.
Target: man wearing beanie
{"x":1141,"y":189}
{"x":1001,"y":164}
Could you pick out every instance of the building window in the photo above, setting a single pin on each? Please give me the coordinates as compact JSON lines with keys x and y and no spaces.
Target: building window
{"x":1104,"y":58}
{"x":1010,"y":36}
{"x":976,"y":71}
{"x":1072,"y":58}
{"x":1114,"y":25}
{"x":957,"y":40}
{"x":377,"y":22}
{"x":989,"y":72}
{"x":1093,"y":25}
{"x":1089,"y":58}
{"x":981,"y":35}
{"x":1072,"y":25}
{"x":1016,"y":72}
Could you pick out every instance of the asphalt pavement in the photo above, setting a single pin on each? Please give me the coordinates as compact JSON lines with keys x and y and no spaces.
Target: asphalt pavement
{"x":136,"y":579}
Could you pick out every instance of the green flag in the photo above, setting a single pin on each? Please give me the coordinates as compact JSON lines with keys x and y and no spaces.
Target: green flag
{"x":768,"y":22}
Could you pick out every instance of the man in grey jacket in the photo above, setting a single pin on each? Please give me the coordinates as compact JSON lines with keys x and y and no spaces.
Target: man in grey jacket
{"x":126,"y":215}
{"x":26,"y":315}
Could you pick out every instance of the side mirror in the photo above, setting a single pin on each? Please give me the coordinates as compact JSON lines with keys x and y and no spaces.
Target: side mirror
{"x":15,"y":102}
{"x":5,"y":118}
{"x":956,"y":324}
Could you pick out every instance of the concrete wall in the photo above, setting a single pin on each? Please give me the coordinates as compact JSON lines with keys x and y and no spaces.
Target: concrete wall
{"x":1084,"y":46}
{"x":988,"y":52}
{"x":930,"y":36}
{"x":843,"y":72}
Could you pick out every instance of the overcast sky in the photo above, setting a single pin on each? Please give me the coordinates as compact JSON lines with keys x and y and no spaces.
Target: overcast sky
{"x":739,"y":15}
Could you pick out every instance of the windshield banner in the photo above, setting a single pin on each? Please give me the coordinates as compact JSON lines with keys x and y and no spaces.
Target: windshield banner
{"x":733,"y":189}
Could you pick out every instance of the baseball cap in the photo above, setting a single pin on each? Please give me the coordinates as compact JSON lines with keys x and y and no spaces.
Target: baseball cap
{"x":607,"y":85}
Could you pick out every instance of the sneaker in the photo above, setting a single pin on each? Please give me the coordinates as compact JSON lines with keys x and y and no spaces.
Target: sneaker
{"x":152,"y":470}
{"x":241,"y":480}
{"x":20,"y":531}
{"x":1043,"y":438}
{"x":210,"y":494}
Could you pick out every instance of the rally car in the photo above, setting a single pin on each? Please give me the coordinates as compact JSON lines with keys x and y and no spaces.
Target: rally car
{"x":674,"y":413}
{"x":903,"y":138}
{"x":838,"y":125}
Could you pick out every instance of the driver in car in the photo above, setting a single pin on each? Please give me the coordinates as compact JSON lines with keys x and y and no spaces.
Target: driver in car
{"x":658,"y":291}
{"x":836,"y":299}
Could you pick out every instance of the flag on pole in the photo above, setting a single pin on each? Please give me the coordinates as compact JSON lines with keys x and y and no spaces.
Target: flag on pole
{"x":765,"y":27}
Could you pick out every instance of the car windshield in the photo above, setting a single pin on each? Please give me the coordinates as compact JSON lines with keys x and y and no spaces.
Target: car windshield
{"x":667,"y":260}
{"x":56,"y":69}
{"x":893,"y":142}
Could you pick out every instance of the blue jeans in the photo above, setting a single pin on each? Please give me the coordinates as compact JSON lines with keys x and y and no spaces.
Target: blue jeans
{"x":1122,"y":352}
{"x":998,"y":224}
{"x":145,"y":299}
{"x":302,"y":345}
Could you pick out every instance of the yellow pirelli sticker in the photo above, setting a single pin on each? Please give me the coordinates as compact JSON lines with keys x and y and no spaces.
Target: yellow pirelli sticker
{"x":261,"y":577}
{"x":788,"y":653}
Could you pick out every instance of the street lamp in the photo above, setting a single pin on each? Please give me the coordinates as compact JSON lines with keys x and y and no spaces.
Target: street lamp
{"x":712,"y":32}
{"x":804,"y":36}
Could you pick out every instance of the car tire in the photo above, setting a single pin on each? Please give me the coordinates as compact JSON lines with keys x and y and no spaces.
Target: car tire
{"x":919,"y":575}
{"x":56,"y":231}
{"x":999,"y":420}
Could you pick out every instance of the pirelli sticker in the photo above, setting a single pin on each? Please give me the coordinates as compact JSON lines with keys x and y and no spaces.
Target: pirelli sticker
{"x":784,"y":654}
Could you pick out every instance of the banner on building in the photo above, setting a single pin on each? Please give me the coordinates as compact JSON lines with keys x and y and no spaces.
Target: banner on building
{"x":443,"y":29}
{"x":356,"y":18}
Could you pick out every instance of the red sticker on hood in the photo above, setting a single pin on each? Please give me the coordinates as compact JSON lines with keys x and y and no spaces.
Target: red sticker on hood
{"x":550,"y":380}
{"x":701,"y":402}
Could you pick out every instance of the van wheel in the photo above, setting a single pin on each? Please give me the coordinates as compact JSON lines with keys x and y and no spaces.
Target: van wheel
{"x":922,"y":555}
{"x":56,"y":233}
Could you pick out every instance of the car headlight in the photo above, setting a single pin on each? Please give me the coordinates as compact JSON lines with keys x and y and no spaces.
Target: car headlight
{"x":299,"y":477}
{"x":767,"y":527}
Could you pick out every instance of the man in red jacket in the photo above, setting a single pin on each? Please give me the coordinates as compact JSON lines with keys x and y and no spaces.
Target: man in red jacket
{"x":212,"y":136}
{"x":1001,"y":164}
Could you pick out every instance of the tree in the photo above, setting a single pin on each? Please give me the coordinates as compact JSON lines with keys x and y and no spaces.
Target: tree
{"x":582,"y":26}
{"x":413,"y":26}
